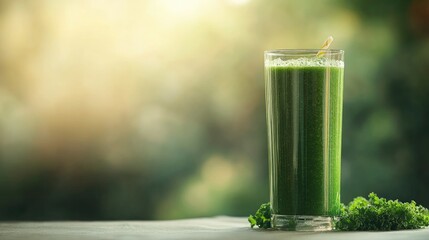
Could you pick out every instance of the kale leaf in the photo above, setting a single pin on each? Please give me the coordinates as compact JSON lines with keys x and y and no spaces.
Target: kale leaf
{"x":379,"y":214}
{"x":262,"y":217}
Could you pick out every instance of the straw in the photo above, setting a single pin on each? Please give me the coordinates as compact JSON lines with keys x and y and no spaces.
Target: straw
{"x":325,"y":46}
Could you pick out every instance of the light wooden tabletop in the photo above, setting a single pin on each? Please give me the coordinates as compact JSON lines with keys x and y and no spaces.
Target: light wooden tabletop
{"x":201,"y":228}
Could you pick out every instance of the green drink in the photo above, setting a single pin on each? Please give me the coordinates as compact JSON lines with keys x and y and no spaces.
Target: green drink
{"x":304,"y":98}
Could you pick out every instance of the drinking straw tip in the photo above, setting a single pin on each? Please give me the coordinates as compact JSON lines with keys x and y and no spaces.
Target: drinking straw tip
{"x":325,"y":46}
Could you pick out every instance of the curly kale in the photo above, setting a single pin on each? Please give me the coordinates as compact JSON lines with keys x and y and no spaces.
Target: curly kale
{"x":262,"y":217}
{"x":379,"y":214}
{"x":361,"y":214}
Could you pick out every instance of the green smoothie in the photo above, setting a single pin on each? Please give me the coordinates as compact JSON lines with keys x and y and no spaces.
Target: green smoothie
{"x":304,"y":111}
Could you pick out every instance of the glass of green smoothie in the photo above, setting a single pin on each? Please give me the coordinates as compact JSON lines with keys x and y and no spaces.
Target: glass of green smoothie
{"x":304,"y":101}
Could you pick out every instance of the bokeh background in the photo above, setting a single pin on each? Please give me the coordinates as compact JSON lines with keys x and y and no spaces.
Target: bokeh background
{"x":155,"y":109}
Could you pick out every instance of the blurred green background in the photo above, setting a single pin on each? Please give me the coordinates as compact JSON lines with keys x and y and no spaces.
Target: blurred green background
{"x":155,"y":109}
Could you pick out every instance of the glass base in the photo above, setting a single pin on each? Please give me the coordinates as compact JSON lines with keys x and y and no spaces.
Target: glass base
{"x":301,"y":223}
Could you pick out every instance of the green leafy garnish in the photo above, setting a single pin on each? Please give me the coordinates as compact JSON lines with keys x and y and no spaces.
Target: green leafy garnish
{"x":379,"y":214}
{"x":361,"y":214}
{"x":262,"y":217}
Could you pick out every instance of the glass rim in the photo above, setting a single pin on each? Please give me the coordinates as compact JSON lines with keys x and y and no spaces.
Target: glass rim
{"x":293,"y":52}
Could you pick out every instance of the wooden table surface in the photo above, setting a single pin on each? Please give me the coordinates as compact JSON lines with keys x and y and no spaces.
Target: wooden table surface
{"x":201,"y":228}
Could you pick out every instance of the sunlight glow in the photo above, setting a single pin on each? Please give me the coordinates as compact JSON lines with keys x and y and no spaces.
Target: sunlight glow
{"x":186,"y":8}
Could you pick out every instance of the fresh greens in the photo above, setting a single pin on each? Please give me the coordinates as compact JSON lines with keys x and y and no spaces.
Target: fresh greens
{"x":262,"y":217}
{"x":379,"y":214}
{"x":361,"y":214}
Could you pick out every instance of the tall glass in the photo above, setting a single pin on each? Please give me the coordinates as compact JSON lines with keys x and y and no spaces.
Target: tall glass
{"x":304,"y":101}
